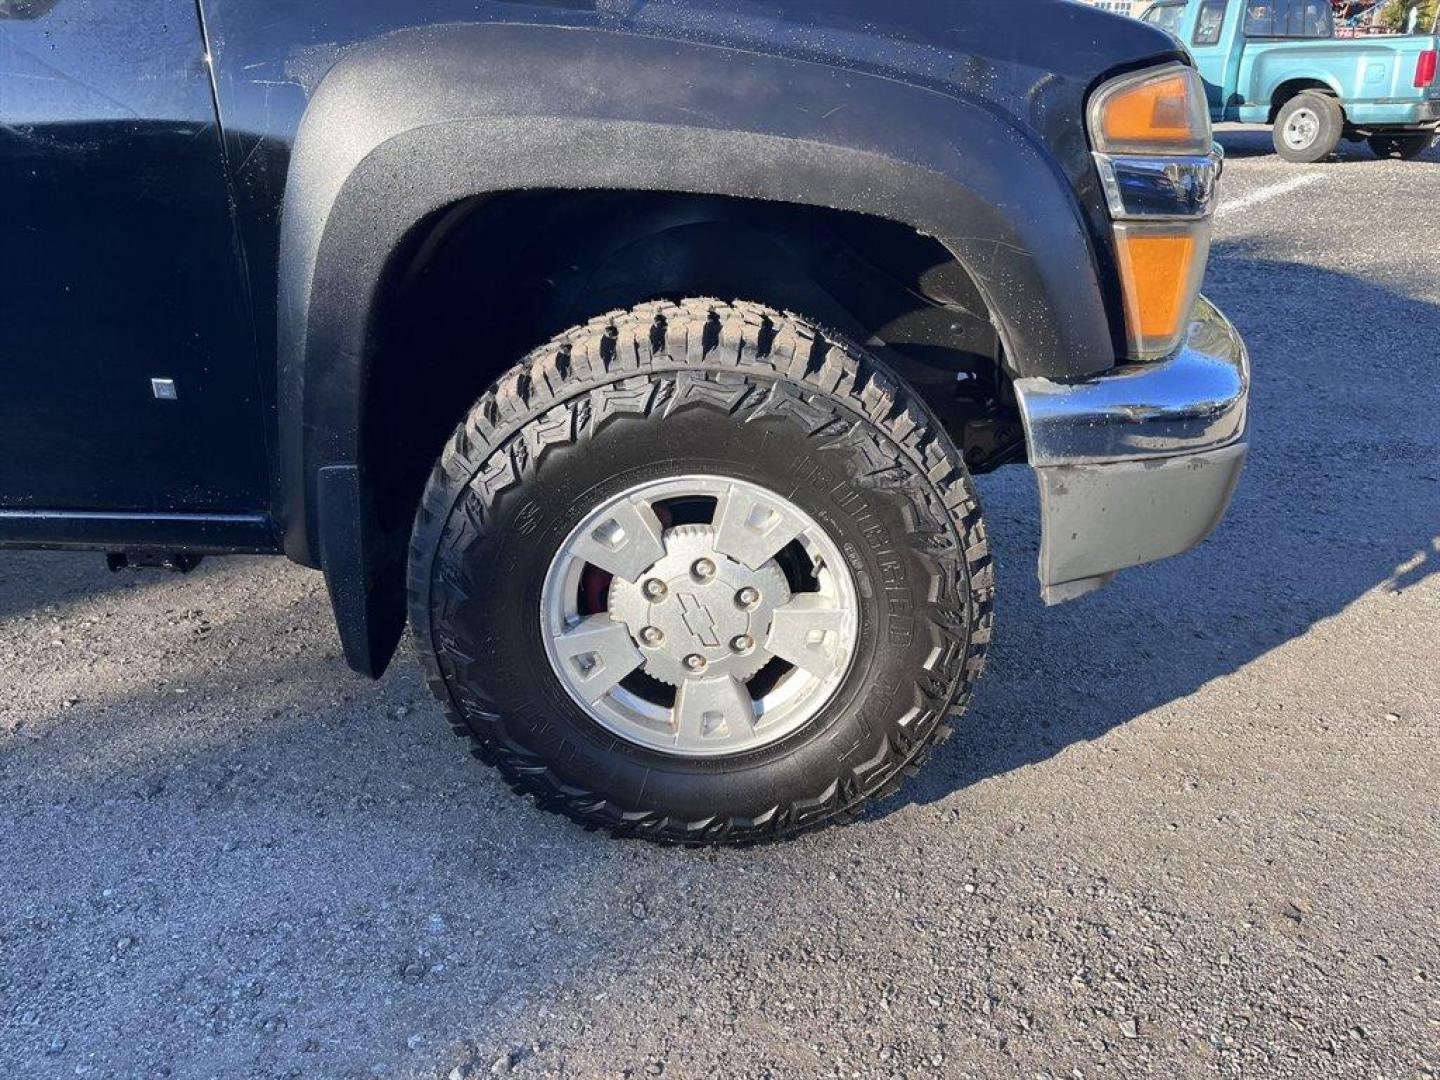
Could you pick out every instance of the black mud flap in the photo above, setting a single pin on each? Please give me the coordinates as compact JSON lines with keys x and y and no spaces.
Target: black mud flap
{"x":363,"y":571}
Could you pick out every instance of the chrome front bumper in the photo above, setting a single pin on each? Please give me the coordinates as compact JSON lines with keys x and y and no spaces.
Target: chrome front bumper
{"x":1139,"y":463}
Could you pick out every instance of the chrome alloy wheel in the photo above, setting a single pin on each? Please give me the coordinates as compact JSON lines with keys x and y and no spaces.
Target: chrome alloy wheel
{"x":700,"y":616}
{"x":1302,"y":129}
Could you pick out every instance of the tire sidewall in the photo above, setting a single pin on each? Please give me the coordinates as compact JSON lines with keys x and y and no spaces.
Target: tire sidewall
{"x":1327,"y":138}
{"x":912,"y":602}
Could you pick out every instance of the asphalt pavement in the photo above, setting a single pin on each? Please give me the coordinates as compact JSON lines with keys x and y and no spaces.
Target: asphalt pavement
{"x":1189,"y":827}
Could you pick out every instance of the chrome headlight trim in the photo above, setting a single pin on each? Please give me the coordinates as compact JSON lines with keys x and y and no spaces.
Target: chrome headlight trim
{"x":1167,"y":188}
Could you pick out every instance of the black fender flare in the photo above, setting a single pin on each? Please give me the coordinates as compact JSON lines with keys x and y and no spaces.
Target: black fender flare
{"x":413,"y":122}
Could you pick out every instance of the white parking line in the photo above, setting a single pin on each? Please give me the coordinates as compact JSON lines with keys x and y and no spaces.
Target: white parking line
{"x":1271,"y":191}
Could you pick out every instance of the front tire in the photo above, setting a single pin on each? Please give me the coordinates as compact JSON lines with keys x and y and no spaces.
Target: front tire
{"x":651,"y":460}
{"x":1308,"y":127}
{"x":1401,"y":145}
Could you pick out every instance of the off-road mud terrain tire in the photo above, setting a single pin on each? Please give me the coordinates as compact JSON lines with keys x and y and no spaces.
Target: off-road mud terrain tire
{"x":684,"y":388}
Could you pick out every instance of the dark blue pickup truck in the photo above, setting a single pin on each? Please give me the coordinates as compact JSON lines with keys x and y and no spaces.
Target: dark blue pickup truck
{"x":641,"y":351}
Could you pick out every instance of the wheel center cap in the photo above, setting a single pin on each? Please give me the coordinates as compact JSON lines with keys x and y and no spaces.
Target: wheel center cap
{"x":696,"y":613}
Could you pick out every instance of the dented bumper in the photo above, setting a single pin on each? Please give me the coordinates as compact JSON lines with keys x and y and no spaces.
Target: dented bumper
{"x":1137,"y":464}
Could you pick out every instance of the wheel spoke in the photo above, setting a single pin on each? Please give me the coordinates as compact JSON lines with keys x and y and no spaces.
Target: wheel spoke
{"x":625,"y":543}
{"x":713,"y":712}
{"x":597,"y":654}
{"x":752,"y":530}
{"x":704,"y":609}
{"x":807,"y":632}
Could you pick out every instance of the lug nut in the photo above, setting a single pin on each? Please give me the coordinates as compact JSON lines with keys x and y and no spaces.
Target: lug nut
{"x":703,"y":569}
{"x":652,"y":635}
{"x":747,"y":597}
{"x":655,"y":588}
{"x":742,"y":644}
{"x":695,"y":662}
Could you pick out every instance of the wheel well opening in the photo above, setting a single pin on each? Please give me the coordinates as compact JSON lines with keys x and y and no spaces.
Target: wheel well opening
{"x":1286,"y":91}
{"x":479,"y":284}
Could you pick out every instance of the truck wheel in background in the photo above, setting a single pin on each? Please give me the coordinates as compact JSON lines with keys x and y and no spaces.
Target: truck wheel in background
{"x":701,"y":573}
{"x":1308,"y":127}
{"x":1402,"y":145}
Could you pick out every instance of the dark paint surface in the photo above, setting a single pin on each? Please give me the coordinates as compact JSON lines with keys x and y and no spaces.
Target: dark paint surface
{"x":270,"y":55}
{"x":120,"y":264}
{"x":129,"y":253}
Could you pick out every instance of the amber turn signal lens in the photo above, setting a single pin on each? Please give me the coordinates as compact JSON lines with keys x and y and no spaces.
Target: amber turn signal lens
{"x":1161,"y":267}
{"x":1153,"y":112}
{"x":1150,"y":130}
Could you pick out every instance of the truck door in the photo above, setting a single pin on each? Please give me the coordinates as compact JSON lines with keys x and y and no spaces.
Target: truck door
{"x":127,"y":363}
{"x":1215,"y":42}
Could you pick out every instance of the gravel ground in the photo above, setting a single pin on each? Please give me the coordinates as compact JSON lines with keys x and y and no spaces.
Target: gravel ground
{"x":1190,"y":825}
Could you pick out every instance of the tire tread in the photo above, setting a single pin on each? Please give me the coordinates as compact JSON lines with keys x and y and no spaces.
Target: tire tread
{"x":722,"y":354}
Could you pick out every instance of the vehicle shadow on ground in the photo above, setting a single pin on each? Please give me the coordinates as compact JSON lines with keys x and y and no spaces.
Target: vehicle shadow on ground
{"x":1257,"y":142}
{"x":267,"y":836}
{"x":1341,"y":496}
{"x":68,"y":578}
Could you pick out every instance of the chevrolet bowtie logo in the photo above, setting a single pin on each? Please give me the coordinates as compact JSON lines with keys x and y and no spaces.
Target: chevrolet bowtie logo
{"x":698,"y":620}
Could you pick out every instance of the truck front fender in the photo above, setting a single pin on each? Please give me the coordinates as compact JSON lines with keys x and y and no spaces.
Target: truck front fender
{"x":411,"y":123}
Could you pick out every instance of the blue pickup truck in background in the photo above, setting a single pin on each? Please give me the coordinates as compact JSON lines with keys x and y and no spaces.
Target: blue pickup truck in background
{"x":1279,"y":62}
